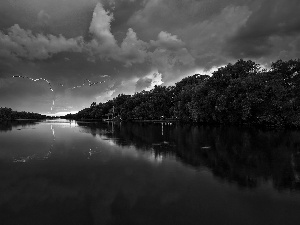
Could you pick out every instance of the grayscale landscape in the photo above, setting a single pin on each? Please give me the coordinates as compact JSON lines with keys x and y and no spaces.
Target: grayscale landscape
{"x":148,"y":112}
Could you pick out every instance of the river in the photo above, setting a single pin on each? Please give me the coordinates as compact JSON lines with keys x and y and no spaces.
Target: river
{"x":68,"y":172}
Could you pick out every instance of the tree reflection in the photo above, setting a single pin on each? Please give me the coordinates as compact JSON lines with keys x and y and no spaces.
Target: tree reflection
{"x":245,"y":156}
{"x":5,"y":126}
{"x":9,"y":125}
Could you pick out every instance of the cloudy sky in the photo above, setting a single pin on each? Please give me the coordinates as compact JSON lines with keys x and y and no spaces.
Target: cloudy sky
{"x":130,"y":45}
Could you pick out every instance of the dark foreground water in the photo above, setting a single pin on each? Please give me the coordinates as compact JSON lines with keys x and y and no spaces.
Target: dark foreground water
{"x":57,"y":172}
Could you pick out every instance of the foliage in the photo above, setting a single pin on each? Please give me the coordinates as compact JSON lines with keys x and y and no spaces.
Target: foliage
{"x":240,"y":93}
{"x":6,"y":114}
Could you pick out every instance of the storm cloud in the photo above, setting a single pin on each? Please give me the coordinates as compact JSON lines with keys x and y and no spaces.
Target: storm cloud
{"x":273,"y":30}
{"x":24,"y":44}
{"x":139,"y":44}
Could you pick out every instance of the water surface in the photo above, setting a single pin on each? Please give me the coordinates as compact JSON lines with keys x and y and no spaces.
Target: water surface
{"x":62,"y":172}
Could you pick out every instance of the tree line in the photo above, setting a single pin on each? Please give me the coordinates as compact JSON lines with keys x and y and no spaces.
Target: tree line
{"x":7,"y":114}
{"x":239,"y":93}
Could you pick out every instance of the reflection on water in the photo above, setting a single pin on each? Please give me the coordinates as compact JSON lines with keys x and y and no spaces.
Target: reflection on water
{"x":64,"y":172}
{"x":246,"y":157}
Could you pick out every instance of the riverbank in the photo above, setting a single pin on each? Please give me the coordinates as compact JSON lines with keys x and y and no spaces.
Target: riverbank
{"x":156,"y":121}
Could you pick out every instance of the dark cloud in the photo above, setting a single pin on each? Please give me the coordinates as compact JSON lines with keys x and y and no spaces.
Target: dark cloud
{"x":203,"y":26}
{"x":173,"y":15}
{"x":69,"y":17}
{"x":139,"y":44}
{"x":271,"y":24}
{"x":122,"y":10}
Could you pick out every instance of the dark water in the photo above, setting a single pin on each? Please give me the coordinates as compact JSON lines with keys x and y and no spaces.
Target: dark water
{"x":57,"y":172}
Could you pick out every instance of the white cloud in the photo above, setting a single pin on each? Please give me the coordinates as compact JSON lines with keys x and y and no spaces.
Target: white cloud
{"x":167,"y":41}
{"x":105,"y":96}
{"x":132,"y":49}
{"x":165,"y":52}
{"x":171,"y":63}
{"x":149,"y":81}
{"x":24,"y":44}
{"x":43,"y":17}
{"x":103,"y":43}
{"x":100,"y":26}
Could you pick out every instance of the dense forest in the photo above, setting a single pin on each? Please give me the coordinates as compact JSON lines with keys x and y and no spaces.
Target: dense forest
{"x":7,"y":114}
{"x":240,"y":93}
